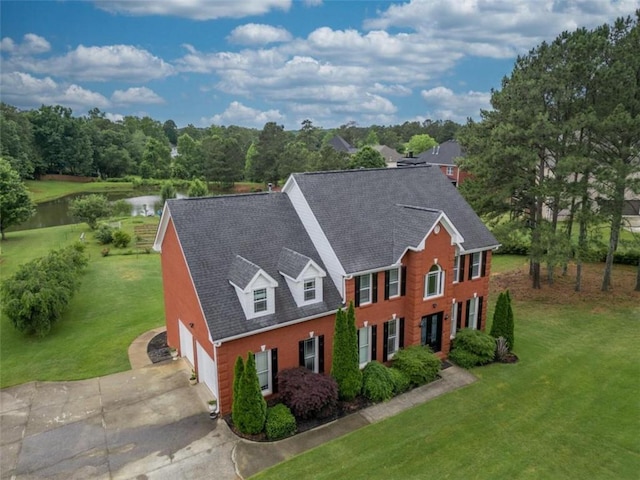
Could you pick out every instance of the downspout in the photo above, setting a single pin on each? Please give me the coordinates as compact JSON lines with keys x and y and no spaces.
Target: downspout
{"x":216,"y":345}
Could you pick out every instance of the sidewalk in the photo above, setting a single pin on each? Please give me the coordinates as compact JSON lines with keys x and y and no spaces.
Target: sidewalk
{"x":253,"y":457}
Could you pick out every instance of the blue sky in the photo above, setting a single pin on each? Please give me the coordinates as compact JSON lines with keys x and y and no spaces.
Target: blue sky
{"x":247,"y":62}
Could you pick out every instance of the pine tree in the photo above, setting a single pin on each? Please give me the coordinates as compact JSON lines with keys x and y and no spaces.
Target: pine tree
{"x":499,"y":325}
{"x":251,"y":406}
{"x":345,"y":368}
{"x":509,"y":323}
{"x":238,"y":370}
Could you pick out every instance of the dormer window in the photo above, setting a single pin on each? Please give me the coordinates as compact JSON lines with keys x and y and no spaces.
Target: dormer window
{"x":309,"y":290}
{"x":260,"y":300}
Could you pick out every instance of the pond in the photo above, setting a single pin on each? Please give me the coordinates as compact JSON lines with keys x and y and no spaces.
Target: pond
{"x":56,"y":212}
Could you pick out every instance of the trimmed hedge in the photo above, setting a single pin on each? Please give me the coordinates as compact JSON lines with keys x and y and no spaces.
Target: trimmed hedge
{"x":418,"y":363}
{"x":308,"y":394}
{"x":377,"y":384}
{"x":472,"y":347}
{"x":280,"y":422}
{"x":399,"y":380}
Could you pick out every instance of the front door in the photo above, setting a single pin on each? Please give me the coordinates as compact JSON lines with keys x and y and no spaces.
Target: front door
{"x":431,"y":330}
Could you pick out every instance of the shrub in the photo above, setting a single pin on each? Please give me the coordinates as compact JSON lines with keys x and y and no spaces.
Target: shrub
{"x":418,"y":363}
{"x":345,"y":367}
{"x":121,"y":239}
{"x":251,"y":407}
{"x":280,"y":422}
{"x":121,"y":208}
{"x":89,"y":208}
{"x":377,"y":384}
{"x":399,"y":380}
{"x":472,"y":347}
{"x":502,"y":325}
{"x":502,"y":349}
{"x":308,"y":394}
{"x":197,"y":188}
{"x":104,"y":234}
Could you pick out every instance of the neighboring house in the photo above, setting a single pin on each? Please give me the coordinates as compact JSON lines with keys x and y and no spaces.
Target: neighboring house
{"x":390,"y":155}
{"x":444,"y":156}
{"x":266,"y":272}
{"x":341,"y":145}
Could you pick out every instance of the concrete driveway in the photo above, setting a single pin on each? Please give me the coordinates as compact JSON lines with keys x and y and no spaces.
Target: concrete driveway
{"x":147,"y":423}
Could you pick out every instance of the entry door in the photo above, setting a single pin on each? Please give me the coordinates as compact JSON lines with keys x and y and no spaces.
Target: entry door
{"x":431,"y":327}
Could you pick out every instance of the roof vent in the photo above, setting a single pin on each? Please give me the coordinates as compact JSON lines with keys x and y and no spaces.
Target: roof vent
{"x":270,"y":186}
{"x":437,"y":149}
{"x":410,"y":154}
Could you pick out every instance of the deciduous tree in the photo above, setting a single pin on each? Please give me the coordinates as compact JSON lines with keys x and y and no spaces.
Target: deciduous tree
{"x":15,"y":204}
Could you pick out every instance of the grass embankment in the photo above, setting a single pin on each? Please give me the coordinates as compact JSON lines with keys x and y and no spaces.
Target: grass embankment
{"x":46,"y":190}
{"x":568,"y":409}
{"x":120,"y":298}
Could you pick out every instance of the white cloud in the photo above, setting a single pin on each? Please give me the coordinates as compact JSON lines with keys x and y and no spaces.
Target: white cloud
{"x":25,"y":91}
{"x":113,"y":62}
{"x":444,"y":104}
{"x":395,"y":89}
{"x":239,"y":114}
{"x":136,"y":95}
{"x":312,"y":3}
{"x":258,"y":34}
{"x":194,"y":9}
{"x":32,"y":44}
{"x":114,"y":117}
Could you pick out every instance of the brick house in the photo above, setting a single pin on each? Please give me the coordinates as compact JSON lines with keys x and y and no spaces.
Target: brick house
{"x":266,"y":272}
{"x":443,"y":156}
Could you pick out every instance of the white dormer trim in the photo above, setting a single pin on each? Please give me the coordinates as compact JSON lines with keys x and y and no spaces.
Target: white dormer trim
{"x":320,"y":241}
{"x":311,"y":272}
{"x":247,"y":296}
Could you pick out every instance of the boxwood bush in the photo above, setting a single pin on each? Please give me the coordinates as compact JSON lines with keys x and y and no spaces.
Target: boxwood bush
{"x":472,"y":347}
{"x":377,"y":384}
{"x":418,"y":363}
{"x":308,"y":394}
{"x":399,"y":380}
{"x":121,"y":239}
{"x":280,"y":422}
{"x":104,"y":234}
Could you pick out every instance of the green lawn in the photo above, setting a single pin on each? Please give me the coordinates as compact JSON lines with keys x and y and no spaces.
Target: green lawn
{"x":569,"y":409}
{"x":120,"y":298}
{"x":46,"y":190}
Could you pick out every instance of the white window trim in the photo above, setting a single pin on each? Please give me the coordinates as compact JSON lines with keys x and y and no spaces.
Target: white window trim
{"x":439,"y":282}
{"x":397,"y":282}
{"x":368,"y":334}
{"x":305,"y":290}
{"x":449,"y":170}
{"x":473,"y":265}
{"x":473,"y":311}
{"x":396,"y":339}
{"x":370,"y":289}
{"x":264,"y":300}
{"x":269,"y":389}
{"x":316,"y":358}
{"x":456,"y":268}
{"x":454,"y":320}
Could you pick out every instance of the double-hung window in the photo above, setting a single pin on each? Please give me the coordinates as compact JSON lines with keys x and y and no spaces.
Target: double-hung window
{"x":434,"y":282}
{"x":309,"y":290}
{"x":456,"y":268}
{"x":364,"y":346}
{"x":472,"y":317}
{"x":260,"y":300}
{"x":449,"y":171}
{"x":476,"y":259}
{"x":394,"y":283}
{"x":311,"y":354}
{"x":263,"y":367}
{"x":364,"y":294}
{"x":454,"y":319}
{"x":393,"y":338}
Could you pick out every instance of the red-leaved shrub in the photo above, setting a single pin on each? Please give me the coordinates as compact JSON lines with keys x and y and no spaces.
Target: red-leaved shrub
{"x":308,"y":394}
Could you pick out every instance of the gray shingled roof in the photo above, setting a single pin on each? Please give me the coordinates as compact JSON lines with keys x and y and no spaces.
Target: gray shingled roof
{"x":443,"y":154}
{"x":214,"y":231}
{"x":242,"y":272}
{"x":411,"y":224}
{"x":292,"y":263}
{"x":358,"y":211}
{"x":341,"y":145}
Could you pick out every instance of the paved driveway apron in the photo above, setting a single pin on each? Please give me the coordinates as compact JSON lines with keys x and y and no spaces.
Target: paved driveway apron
{"x":144,"y":424}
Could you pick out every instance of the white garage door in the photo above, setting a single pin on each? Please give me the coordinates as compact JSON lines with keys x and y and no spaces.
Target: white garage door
{"x":186,"y":343}
{"x":207,"y":370}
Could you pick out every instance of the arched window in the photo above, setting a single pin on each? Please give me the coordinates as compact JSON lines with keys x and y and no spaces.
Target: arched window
{"x":434,"y":282}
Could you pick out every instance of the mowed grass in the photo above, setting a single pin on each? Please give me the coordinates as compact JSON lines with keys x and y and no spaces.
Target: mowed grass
{"x":46,"y":190}
{"x":120,"y":297}
{"x":570,"y":408}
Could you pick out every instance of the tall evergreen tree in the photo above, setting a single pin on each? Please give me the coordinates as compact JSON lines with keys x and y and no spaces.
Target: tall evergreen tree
{"x":345,"y":368}
{"x":251,"y":406}
{"x":238,"y":371}
{"x":502,"y":325}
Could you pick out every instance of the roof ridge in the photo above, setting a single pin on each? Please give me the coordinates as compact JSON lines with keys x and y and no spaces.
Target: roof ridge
{"x":223,"y":195}
{"x":416,"y":207}
{"x":357,"y":170}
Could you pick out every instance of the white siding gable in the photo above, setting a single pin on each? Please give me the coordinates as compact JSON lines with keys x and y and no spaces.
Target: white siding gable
{"x":317,"y":235}
{"x":312,"y":272}
{"x":246,"y":297}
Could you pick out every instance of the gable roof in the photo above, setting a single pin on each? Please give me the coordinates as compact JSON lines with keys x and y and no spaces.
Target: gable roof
{"x":443,"y":154}
{"x":341,"y":145}
{"x":388,"y":153}
{"x":358,"y":212}
{"x":292,"y":263}
{"x":234,"y":237}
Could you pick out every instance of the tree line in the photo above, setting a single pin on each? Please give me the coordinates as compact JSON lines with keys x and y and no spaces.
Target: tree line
{"x":562,"y":142}
{"x":51,"y":139}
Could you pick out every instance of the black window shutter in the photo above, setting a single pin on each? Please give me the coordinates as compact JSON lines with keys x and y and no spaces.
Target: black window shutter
{"x":321,"y":354}
{"x":386,"y":284}
{"x":401,"y":343}
{"x":403,"y":285}
{"x":461,"y":269}
{"x":274,"y":370}
{"x":374,"y":331}
{"x":385,"y":337}
{"x":466,"y":319}
{"x":357,"y":299}
{"x":483,"y":268}
{"x":470,"y":266}
{"x":301,"y":353}
{"x":374,"y":287}
{"x":459,"y":316}
{"x":479,"y":316}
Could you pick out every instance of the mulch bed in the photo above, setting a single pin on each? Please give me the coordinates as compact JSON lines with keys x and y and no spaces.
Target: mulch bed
{"x":157,"y":348}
